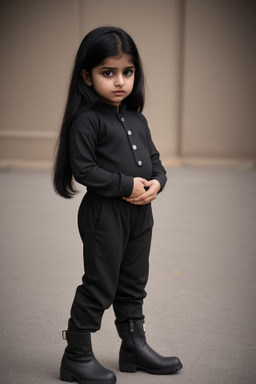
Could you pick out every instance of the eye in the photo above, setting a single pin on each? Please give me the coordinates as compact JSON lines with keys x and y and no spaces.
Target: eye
{"x":128,"y":72}
{"x":107,"y":73}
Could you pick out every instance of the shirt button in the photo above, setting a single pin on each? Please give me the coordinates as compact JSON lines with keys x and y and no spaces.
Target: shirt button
{"x":139,"y":163}
{"x":129,"y":133}
{"x":134,"y":147}
{"x":122,"y":119}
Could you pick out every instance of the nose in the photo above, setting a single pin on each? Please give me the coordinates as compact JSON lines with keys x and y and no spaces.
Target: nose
{"x":119,"y":81}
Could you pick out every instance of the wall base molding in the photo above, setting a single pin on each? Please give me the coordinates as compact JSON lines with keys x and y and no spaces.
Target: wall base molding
{"x":200,"y":161}
{"x":172,"y":161}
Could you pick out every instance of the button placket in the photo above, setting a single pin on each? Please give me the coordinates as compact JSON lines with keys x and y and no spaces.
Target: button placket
{"x":132,"y":140}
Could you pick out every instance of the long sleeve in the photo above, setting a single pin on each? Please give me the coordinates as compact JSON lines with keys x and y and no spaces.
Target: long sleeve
{"x":85,"y":170}
{"x":158,"y":171}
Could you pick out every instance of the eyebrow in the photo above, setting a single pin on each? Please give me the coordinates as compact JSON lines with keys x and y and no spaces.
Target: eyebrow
{"x":114,"y":68}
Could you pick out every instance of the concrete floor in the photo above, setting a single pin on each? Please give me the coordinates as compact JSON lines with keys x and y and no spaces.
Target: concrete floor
{"x":201,"y":303}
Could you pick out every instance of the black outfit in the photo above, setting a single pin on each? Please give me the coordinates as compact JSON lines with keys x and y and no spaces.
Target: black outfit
{"x":107,"y":150}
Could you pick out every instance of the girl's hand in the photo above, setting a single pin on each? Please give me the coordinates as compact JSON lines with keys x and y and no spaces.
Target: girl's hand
{"x":148,"y":196}
{"x":138,"y":188}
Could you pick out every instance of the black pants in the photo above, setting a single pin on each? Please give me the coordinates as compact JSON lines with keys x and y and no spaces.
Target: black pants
{"x":116,"y":238}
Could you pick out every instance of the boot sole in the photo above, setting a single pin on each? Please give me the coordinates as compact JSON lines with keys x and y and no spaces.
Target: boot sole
{"x":69,"y":377}
{"x":128,"y":367}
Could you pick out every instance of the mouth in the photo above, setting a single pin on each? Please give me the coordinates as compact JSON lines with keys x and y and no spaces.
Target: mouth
{"x":119,"y":93}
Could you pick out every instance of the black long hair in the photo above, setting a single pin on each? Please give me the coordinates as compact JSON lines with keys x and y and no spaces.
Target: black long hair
{"x":99,"y":44}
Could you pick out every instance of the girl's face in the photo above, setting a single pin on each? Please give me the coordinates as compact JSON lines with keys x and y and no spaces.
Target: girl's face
{"x":113,"y":79}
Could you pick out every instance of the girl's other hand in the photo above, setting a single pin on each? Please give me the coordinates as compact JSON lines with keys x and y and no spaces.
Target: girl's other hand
{"x":147,"y":196}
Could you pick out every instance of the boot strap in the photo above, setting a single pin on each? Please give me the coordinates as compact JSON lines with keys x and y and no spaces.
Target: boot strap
{"x":64,"y":335}
{"x":132,"y":326}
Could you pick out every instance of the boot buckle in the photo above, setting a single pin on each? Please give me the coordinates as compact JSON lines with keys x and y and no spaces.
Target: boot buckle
{"x":131,"y":322}
{"x":64,"y":335}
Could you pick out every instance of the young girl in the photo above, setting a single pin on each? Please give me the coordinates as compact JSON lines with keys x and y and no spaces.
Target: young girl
{"x":105,"y":144}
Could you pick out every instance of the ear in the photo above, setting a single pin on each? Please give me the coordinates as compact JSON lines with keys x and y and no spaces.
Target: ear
{"x":86,"y":77}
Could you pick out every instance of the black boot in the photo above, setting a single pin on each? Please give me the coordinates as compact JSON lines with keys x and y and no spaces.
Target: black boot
{"x":79,"y":364}
{"x":135,"y":353}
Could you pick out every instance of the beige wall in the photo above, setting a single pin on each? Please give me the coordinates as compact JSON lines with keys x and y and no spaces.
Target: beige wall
{"x":199,"y":61}
{"x":38,"y":41}
{"x":219,"y":88}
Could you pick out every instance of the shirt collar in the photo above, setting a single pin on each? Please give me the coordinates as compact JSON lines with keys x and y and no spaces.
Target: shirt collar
{"x":108,"y":108}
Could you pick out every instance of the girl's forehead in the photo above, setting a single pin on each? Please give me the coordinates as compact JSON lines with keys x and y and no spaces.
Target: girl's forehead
{"x":125,"y":60}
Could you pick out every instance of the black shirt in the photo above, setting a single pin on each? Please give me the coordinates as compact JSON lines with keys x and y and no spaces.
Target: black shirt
{"x":108,"y":148}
